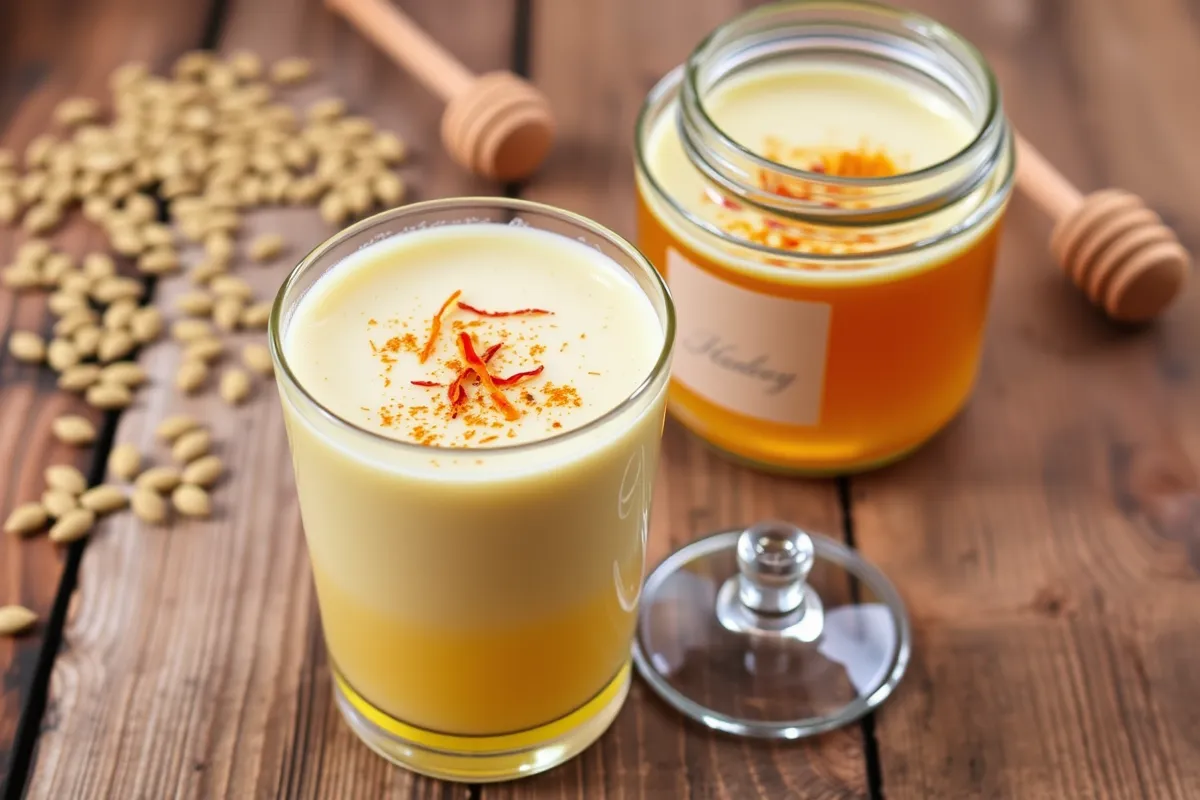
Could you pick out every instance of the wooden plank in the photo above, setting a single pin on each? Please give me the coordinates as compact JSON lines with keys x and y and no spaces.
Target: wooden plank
{"x":194,"y":664}
{"x":596,"y":62}
{"x":1047,"y":542}
{"x":43,"y":60}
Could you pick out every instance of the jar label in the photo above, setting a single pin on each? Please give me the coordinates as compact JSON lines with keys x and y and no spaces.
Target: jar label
{"x":751,"y":353}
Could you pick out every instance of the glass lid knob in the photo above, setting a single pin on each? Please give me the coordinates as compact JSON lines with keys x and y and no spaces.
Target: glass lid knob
{"x":771,"y":631}
{"x":769,"y":596}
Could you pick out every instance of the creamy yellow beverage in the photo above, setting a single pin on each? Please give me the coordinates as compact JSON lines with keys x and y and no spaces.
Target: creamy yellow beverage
{"x":360,"y":335}
{"x":832,"y":308}
{"x":477,"y":520}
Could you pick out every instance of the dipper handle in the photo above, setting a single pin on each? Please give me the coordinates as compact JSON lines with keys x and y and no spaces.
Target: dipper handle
{"x":496,"y":125}
{"x":1109,"y":243}
{"x":393,"y":32}
{"x":1042,"y":183}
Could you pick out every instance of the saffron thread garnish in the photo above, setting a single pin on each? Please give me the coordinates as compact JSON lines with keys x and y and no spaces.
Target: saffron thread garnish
{"x":519,"y":312}
{"x":435,"y":327}
{"x":480,"y":368}
{"x":517,"y":376}
{"x":457,"y":394}
{"x":457,"y":400}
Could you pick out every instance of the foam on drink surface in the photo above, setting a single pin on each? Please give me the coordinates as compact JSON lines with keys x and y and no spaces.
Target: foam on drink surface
{"x":583,"y":329}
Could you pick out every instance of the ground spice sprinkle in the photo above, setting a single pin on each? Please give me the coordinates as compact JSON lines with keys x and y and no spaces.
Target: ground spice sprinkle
{"x":470,"y":383}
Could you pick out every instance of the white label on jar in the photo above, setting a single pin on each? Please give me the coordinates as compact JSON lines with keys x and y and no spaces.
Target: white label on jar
{"x":751,"y":353}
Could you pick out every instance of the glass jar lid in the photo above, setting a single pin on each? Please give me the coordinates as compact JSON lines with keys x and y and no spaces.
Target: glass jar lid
{"x":771,"y":632}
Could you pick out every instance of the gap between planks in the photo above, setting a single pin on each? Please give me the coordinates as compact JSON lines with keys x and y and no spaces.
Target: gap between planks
{"x":871,"y":763}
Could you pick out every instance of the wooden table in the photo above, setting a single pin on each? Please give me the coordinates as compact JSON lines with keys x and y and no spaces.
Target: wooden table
{"x":1047,"y":543}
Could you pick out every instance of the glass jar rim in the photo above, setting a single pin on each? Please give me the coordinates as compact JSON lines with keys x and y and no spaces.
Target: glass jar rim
{"x":997,"y":168}
{"x":929,"y":27}
{"x":493,"y":203}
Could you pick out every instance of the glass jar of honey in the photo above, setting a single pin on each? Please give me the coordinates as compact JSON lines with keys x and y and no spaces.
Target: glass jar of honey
{"x":822,"y":185}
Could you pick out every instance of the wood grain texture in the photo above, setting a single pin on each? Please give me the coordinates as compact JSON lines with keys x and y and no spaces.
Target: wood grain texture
{"x":596,"y":62}
{"x":1047,"y":542}
{"x":193,"y":663}
{"x":43,"y":61}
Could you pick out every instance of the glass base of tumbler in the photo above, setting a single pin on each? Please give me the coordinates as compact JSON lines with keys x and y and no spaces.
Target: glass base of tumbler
{"x":481,"y":759}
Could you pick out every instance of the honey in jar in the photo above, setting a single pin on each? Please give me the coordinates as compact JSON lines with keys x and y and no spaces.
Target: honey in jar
{"x":822,"y":185}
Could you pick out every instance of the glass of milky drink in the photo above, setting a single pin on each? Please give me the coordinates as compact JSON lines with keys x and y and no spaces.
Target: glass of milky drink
{"x":474,"y":394}
{"x":823,"y":185}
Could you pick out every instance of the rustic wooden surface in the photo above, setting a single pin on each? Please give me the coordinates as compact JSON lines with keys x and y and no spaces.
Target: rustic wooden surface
{"x":192,"y":662}
{"x":43,"y":60}
{"x":1046,"y":543}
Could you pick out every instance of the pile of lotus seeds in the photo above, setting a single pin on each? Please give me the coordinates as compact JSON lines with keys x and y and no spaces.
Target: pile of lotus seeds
{"x":171,"y":159}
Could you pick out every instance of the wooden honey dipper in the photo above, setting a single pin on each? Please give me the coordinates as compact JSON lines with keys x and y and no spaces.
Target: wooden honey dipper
{"x":1110,"y":244}
{"x":496,"y":125}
